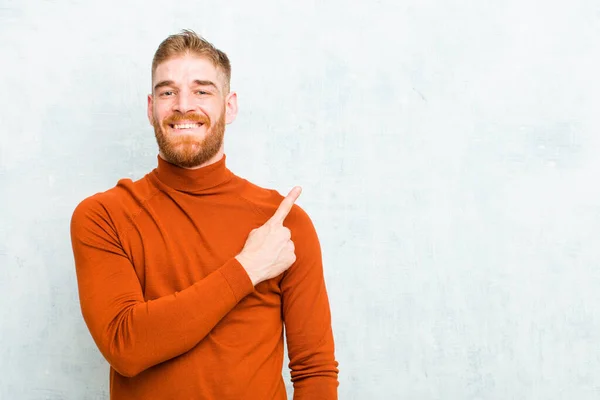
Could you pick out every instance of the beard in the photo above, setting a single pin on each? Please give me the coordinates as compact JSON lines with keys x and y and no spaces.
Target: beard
{"x":189,"y":151}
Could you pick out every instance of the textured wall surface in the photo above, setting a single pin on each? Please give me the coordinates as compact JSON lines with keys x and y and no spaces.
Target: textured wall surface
{"x":448,"y":152}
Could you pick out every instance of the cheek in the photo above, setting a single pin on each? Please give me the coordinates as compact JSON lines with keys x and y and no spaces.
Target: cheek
{"x":216,"y":111}
{"x":160,"y":113}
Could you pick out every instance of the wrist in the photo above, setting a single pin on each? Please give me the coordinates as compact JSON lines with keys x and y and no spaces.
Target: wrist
{"x":245,"y":263}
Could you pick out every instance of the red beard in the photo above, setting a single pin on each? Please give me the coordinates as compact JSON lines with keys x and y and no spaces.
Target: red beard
{"x":189,"y":151}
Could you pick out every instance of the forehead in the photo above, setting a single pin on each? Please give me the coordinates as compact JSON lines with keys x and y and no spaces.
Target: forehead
{"x":185,"y":69}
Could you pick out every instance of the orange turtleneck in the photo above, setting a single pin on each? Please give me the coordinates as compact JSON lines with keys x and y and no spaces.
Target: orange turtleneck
{"x":171,"y":309}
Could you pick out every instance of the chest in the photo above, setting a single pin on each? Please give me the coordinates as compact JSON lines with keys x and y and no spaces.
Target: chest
{"x":174,"y":242}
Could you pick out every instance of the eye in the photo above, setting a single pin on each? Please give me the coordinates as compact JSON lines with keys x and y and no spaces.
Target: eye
{"x":167,"y":93}
{"x":201,"y":92}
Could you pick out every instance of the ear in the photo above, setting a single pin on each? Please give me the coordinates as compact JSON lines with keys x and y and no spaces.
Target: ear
{"x":231,"y":107}
{"x":150,"y":109}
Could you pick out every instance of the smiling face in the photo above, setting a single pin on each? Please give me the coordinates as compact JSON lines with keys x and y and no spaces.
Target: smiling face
{"x":189,"y":108}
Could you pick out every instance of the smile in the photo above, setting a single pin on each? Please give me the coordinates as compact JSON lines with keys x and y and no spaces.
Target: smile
{"x":185,"y":126}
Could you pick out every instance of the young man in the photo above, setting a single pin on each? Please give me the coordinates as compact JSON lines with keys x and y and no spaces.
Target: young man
{"x":187,"y":276}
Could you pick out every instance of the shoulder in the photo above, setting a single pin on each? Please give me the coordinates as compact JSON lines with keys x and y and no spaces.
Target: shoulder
{"x":266,"y":201}
{"x":115,"y":204}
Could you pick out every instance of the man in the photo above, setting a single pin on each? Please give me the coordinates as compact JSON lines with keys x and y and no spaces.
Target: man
{"x":187,"y":276}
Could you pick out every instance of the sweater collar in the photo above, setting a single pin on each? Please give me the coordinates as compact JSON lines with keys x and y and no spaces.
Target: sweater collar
{"x":192,"y":180}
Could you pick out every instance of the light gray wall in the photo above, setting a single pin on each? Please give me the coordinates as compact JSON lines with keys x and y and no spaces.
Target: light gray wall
{"x":448,"y":152}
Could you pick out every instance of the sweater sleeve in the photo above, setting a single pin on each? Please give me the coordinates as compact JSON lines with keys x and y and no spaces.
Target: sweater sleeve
{"x":131,"y":333}
{"x":307,"y":316}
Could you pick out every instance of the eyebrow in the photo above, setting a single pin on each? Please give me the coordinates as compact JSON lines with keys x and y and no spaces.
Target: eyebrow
{"x":197,"y":82}
{"x":205,"y":83}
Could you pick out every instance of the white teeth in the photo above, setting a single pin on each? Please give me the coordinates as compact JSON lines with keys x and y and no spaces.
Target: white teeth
{"x":186,"y":126}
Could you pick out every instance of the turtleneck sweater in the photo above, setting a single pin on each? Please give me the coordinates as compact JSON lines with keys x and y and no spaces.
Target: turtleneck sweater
{"x":171,"y":309}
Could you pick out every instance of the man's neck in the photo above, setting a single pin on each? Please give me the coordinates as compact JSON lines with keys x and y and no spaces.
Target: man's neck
{"x":217,"y":157}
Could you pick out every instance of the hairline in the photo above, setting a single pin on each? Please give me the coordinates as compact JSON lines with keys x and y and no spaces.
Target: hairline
{"x":220,"y":70}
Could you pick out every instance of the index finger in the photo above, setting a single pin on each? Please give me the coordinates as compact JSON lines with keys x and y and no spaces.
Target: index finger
{"x":286,"y":206}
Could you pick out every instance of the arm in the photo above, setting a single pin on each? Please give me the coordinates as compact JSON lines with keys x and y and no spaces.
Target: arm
{"x":131,"y":333}
{"x":307,"y":316}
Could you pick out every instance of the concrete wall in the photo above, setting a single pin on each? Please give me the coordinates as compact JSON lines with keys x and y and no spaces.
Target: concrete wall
{"x":448,"y":152}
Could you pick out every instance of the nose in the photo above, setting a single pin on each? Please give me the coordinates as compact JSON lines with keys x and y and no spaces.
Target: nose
{"x":184,"y":103}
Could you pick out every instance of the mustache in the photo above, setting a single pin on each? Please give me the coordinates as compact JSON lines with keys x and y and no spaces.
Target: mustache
{"x":192,"y":117}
